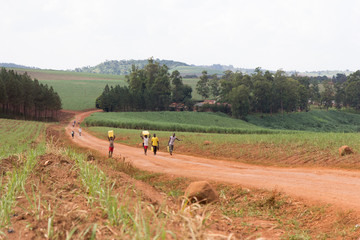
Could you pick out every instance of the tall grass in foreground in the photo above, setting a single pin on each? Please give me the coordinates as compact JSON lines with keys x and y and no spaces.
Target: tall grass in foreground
{"x":138,"y":220}
{"x":20,"y":140}
{"x":16,"y":182}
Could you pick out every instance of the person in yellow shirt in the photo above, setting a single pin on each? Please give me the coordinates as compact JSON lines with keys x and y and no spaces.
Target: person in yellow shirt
{"x":155,"y":143}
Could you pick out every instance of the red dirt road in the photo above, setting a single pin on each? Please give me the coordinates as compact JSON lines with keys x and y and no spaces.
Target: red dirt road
{"x":338,"y":187}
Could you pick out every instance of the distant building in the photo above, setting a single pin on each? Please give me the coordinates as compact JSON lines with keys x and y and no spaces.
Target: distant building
{"x":178,"y":107}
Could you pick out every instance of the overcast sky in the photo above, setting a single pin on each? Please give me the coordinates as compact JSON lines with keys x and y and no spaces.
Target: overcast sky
{"x":302,"y":35}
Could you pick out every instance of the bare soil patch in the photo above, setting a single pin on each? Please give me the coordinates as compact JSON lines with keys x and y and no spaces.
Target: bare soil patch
{"x":53,"y":193}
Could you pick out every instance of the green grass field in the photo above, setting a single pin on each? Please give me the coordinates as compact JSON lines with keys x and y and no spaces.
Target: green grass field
{"x":78,"y":91}
{"x":175,"y":121}
{"x":19,"y":136}
{"x":314,"y":121}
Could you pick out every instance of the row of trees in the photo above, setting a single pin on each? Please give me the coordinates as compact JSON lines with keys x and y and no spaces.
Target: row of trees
{"x":22,"y":96}
{"x":150,"y":88}
{"x":259,"y":92}
{"x":342,"y":91}
{"x":154,"y":88}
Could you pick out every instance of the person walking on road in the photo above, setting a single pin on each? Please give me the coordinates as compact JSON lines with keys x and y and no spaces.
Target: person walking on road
{"x":171,"y":143}
{"x":80,"y":131}
{"x":111,"y":145}
{"x":145,"y":143}
{"x":155,"y":143}
{"x":72,"y":134}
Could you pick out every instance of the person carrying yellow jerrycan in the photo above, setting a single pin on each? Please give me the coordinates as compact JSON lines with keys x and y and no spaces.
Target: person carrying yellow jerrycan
{"x":111,"y":138}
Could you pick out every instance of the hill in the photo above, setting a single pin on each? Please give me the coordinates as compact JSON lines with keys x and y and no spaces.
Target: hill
{"x":13,"y":65}
{"x":123,"y":67}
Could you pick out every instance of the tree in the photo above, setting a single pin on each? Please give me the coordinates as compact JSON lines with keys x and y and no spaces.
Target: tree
{"x":3,"y":95}
{"x":340,"y":95}
{"x":280,"y":89}
{"x":202,"y":86}
{"x":239,"y":100}
{"x":352,"y":90}
{"x":339,"y":78}
{"x":263,"y":92}
{"x":180,"y":93}
{"x":214,"y":86}
{"x":328,"y":95}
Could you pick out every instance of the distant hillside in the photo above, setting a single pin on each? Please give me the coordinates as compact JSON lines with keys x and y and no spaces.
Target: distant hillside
{"x":123,"y":67}
{"x":327,"y":73}
{"x":13,"y":65}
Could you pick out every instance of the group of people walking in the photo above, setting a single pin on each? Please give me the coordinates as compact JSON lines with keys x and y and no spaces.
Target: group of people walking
{"x":72,"y":132}
{"x":155,"y":143}
{"x":147,"y":141}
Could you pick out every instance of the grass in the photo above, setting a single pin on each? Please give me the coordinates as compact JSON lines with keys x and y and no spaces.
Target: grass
{"x":175,"y":121}
{"x":18,"y":136}
{"x":314,"y":121}
{"x":24,"y":141}
{"x":78,"y":91}
{"x":137,"y":220}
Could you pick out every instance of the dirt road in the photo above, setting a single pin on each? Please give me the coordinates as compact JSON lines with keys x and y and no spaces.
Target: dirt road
{"x":338,"y":187}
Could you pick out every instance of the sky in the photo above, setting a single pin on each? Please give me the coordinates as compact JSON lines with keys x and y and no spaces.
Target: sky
{"x":301,"y":35}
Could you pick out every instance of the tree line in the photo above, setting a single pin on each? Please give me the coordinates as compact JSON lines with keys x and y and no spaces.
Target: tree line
{"x":342,"y":91}
{"x":151,"y":88}
{"x":260,"y":92}
{"x":23,"y":97}
{"x":154,"y":88}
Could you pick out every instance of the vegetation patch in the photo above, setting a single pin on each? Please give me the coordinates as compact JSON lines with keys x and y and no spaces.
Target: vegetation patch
{"x":314,"y":121}
{"x":175,"y":121}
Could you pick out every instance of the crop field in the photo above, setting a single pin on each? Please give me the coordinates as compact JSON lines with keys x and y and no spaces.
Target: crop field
{"x":17,"y":137}
{"x":314,"y":121}
{"x":175,"y":121}
{"x":78,"y":91}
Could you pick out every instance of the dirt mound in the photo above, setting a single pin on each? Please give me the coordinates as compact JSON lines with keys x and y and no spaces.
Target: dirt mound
{"x":345,"y":150}
{"x":201,"y":191}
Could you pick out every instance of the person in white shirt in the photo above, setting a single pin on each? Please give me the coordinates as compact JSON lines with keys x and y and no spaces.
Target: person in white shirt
{"x":145,"y":143}
{"x":171,"y":143}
